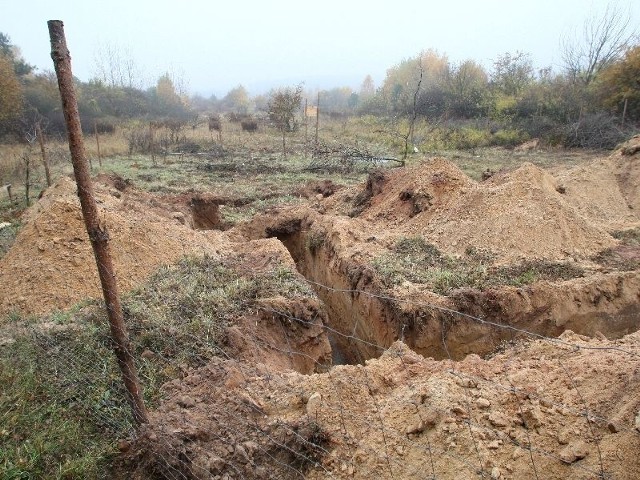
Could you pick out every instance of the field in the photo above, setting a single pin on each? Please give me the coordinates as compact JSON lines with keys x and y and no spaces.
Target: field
{"x":338,"y":312}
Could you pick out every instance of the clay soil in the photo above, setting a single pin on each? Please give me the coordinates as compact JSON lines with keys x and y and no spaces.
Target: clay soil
{"x":539,"y":380}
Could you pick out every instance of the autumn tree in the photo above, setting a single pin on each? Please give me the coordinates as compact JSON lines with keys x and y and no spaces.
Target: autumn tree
{"x":512,"y":73}
{"x":20,"y":66}
{"x":282,"y":107}
{"x":339,"y":99}
{"x":237,"y":101}
{"x":467,"y":90}
{"x":426,"y":73}
{"x":168,"y":100}
{"x":619,"y":85}
{"x":368,"y":88}
{"x":11,"y":94}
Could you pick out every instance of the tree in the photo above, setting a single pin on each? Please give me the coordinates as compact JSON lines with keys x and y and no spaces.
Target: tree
{"x":11,"y":95}
{"x":619,"y":84}
{"x":168,"y":101}
{"x":512,"y":73}
{"x":604,"y":39}
{"x":431,"y":70}
{"x":282,"y":107}
{"x":468,"y":86}
{"x":337,"y":100}
{"x":116,"y":67}
{"x":20,"y":67}
{"x":237,"y":100}
{"x":368,"y":88}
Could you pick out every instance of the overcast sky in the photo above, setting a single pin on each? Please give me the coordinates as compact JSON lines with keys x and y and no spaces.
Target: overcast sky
{"x":216,"y":45}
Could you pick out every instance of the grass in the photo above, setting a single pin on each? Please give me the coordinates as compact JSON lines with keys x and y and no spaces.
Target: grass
{"x":60,"y":410}
{"x":62,"y":404}
{"x":626,"y":256}
{"x":7,"y":237}
{"x":415,"y":260}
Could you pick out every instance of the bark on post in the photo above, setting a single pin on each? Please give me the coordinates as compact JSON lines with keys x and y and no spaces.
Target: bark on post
{"x":45,"y":159}
{"x":97,"y":233}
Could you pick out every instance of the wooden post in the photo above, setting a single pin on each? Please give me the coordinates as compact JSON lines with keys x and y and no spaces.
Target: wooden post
{"x":306,"y":121}
{"x":95,"y":130}
{"x":45,"y":159}
{"x":26,"y":159}
{"x":97,"y":232}
{"x":624,"y":111}
{"x":317,"y":118}
{"x":152,"y":148}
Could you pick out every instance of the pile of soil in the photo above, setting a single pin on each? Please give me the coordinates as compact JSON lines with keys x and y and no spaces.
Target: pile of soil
{"x":51,"y":264}
{"x":539,"y":410}
{"x":515,"y":215}
{"x":607,"y":191}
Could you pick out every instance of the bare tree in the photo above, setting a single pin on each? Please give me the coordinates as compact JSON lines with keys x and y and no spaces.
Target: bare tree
{"x":603,"y":40}
{"x":116,"y":67}
{"x":43,"y":152}
{"x":414,"y":113}
{"x":283,"y":105}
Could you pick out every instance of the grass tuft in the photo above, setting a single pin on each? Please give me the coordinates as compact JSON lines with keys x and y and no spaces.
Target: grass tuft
{"x":415,"y":260}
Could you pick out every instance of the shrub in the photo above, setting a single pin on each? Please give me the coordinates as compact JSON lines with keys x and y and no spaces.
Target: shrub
{"x":249,"y":125}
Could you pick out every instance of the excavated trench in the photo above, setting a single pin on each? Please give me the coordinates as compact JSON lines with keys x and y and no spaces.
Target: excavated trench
{"x":363,"y":322}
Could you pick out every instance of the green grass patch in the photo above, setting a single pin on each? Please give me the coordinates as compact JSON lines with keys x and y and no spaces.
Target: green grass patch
{"x":7,"y":237}
{"x":629,"y":237}
{"x":415,"y":260}
{"x":62,"y":402}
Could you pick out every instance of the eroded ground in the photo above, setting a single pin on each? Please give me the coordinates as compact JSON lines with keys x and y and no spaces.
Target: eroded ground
{"x":480,"y":328}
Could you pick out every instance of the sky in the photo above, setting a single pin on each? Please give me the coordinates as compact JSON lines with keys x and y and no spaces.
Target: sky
{"x":213,"y":46}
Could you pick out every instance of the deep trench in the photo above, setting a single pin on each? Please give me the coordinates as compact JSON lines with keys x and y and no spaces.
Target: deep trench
{"x":362,"y":325}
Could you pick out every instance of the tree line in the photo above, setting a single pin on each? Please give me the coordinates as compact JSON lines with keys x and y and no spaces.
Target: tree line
{"x":594,"y":101}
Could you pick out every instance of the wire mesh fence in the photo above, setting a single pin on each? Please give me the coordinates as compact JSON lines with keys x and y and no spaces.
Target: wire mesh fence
{"x":543,"y":408}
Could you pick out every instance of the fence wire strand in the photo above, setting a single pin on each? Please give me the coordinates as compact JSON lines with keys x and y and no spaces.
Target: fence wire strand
{"x":108,"y":412}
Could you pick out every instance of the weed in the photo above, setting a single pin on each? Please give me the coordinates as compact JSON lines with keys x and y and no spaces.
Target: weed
{"x":415,"y":260}
{"x":315,"y":240}
{"x":59,"y":420}
{"x":62,"y":400}
{"x":7,"y":237}
{"x":629,"y":237}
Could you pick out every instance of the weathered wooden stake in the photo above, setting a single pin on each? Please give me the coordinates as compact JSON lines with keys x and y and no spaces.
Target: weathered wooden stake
{"x":97,"y":233}
{"x":26,"y":159}
{"x":624,"y":111}
{"x":43,"y":152}
{"x":95,"y":130}
{"x":317,"y":118}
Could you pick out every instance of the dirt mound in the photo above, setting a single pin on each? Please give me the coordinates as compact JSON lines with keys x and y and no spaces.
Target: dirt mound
{"x":516,"y":215}
{"x":540,"y":410}
{"x":51,"y":264}
{"x":606,"y":191}
{"x":629,"y":148}
{"x":397,"y":195}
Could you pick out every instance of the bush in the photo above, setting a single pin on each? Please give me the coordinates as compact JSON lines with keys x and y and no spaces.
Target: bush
{"x":509,"y":137}
{"x":249,"y":125}
{"x":596,"y":130}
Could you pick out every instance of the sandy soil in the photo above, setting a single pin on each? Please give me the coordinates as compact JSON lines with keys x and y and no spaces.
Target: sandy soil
{"x":561,"y":407}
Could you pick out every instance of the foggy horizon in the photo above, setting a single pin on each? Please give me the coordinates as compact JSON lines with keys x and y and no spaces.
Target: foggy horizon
{"x":214,"y":48}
